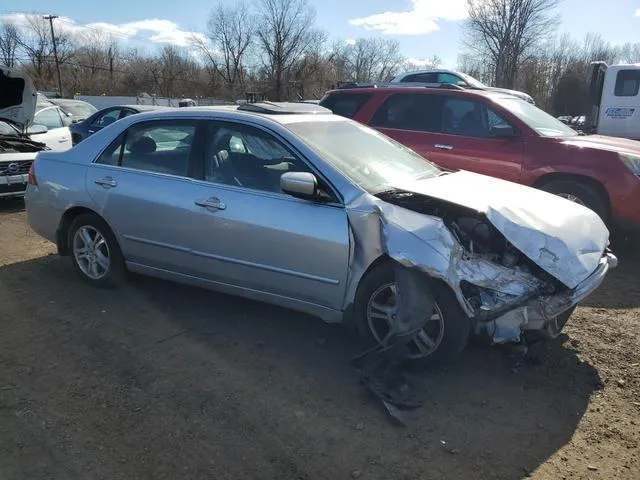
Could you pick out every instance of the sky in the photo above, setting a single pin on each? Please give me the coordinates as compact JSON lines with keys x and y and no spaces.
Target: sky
{"x":423,"y":27}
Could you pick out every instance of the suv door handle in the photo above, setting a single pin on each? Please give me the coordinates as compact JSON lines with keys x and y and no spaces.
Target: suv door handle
{"x":443,"y":146}
{"x":106,"y":182}
{"x":211,"y":202}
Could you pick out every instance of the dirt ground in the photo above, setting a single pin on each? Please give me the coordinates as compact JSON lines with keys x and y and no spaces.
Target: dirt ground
{"x":155,"y":380}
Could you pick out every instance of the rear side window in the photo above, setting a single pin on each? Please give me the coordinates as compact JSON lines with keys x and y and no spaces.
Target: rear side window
{"x":627,"y":83}
{"x":162,"y":147}
{"x":420,"y":112}
{"x":345,"y":105}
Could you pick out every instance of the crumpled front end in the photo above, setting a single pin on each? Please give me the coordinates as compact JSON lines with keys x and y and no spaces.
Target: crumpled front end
{"x":500,"y":289}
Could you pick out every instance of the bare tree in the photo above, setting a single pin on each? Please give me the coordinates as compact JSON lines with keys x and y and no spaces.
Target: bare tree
{"x":373,"y":59}
{"x":504,"y":32}
{"x":284,"y":35}
{"x":230,"y":32}
{"x":9,"y":42}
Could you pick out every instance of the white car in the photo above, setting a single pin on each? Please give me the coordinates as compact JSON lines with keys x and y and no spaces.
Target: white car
{"x":56,"y":134}
{"x":17,"y":149}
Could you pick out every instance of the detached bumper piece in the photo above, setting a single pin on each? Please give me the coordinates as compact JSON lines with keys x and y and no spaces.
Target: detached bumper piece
{"x":544,"y":315}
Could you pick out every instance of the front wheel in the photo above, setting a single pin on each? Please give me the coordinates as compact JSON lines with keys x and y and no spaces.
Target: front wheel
{"x":444,"y":334}
{"x":95,"y":253}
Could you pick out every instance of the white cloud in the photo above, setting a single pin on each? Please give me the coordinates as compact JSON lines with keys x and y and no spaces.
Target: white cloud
{"x":157,"y":30}
{"x":419,"y":62}
{"x":638,"y":12}
{"x":350,"y":41}
{"x":421,"y":19}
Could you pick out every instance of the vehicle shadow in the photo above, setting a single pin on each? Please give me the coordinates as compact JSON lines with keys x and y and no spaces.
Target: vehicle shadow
{"x":621,"y":288}
{"x":274,"y":380}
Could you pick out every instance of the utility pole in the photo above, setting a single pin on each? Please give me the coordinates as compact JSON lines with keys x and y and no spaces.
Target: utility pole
{"x":55,"y":50}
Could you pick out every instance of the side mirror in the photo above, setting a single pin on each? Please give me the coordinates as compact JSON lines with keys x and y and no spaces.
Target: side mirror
{"x":503,"y":131}
{"x":299,"y":184}
{"x":37,"y":129}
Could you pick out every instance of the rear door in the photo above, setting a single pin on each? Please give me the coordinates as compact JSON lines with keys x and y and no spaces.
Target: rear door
{"x":143,"y":186}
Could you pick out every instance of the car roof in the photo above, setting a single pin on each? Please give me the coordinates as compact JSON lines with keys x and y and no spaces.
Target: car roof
{"x":281,"y":112}
{"x":408,"y":88}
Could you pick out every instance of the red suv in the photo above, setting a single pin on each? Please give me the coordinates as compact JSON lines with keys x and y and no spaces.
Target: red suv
{"x":502,"y":136}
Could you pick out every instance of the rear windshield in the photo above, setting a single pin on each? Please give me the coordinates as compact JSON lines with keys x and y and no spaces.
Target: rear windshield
{"x":345,"y":104}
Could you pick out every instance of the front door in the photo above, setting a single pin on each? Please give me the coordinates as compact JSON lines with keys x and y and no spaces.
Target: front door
{"x":251,"y":234}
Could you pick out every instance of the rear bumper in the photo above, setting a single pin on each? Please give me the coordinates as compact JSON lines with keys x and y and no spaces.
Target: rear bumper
{"x":544,"y":314}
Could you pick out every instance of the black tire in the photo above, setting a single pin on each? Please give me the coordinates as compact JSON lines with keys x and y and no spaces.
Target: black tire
{"x":114,"y":273}
{"x":456,"y":325}
{"x":589,"y":197}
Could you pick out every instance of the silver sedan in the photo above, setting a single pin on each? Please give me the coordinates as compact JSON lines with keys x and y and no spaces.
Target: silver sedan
{"x":292,"y":205}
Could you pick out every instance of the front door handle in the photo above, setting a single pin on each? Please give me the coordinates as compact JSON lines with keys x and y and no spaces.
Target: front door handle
{"x":443,"y":146}
{"x":211,"y":202}
{"x":106,"y":182}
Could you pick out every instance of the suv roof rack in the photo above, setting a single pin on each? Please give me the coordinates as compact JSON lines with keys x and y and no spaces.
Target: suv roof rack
{"x":348,"y":85}
{"x":283,"y":108}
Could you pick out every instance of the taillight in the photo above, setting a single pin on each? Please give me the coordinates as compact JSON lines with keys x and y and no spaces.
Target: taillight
{"x":32,"y":174}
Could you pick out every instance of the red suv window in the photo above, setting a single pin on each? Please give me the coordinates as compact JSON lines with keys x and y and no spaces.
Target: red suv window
{"x":345,"y":104}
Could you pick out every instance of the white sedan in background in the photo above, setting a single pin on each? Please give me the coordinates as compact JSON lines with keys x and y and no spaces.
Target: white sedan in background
{"x":51,"y":127}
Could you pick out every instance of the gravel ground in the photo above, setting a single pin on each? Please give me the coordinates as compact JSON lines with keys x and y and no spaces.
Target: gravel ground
{"x":156,"y":380}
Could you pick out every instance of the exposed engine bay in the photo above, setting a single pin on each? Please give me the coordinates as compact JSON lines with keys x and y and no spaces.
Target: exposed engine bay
{"x":11,"y":144}
{"x":481,"y":241}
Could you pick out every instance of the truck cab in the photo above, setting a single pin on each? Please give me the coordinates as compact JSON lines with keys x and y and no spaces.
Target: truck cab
{"x":614,"y":93}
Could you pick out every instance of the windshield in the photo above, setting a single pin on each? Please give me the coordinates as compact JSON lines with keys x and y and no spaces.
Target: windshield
{"x":368,"y":158}
{"x":79,"y":109}
{"x":7,"y":129}
{"x":543,"y":123}
{"x":472,"y":81}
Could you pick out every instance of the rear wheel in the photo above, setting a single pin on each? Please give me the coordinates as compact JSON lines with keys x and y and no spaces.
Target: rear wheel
{"x":579,"y":193}
{"x":95,"y":253}
{"x":445,"y":332}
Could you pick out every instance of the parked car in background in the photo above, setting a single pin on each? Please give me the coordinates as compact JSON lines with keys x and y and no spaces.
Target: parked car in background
{"x":105,"y":117}
{"x":51,"y":127}
{"x":503,"y":136}
{"x":17,"y":150}
{"x":290,"y":204}
{"x":454,"y":78}
{"x":77,"y":110}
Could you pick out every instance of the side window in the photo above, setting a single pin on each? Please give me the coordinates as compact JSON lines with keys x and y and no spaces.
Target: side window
{"x":48,"y":117}
{"x":450,"y":78}
{"x":107,"y":118}
{"x":126,"y":112}
{"x":247,"y":157}
{"x":470,"y":118}
{"x":627,"y":83}
{"x":420,"y":112}
{"x":162,"y":147}
{"x":421,"y":78}
{"x":346,"y":105}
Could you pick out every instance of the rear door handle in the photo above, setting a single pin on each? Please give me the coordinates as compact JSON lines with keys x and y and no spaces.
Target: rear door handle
{"x":211,"y":202}
{"x":443,"y":146}
{"x":106,"y":182}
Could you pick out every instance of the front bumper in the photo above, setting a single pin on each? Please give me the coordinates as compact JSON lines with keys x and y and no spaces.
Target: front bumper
{"x":544,"y":314}
{"x":13,"y":185}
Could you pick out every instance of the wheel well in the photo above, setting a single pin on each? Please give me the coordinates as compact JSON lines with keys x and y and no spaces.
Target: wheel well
{"x":65,"y":223}
{"x":594,"y":184}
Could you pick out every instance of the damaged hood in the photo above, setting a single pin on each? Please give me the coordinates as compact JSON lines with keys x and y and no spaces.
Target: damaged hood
{"x":18,"y":97}
{"x":565,"y":239}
